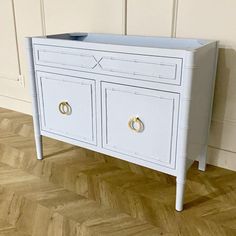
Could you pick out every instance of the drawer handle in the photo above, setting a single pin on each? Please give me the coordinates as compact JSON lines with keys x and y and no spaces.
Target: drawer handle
{"x":65,"y":108}
{"x":136,"y":125}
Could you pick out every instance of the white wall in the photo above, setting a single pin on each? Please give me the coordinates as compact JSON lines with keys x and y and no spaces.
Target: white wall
{"x":208,"y":19}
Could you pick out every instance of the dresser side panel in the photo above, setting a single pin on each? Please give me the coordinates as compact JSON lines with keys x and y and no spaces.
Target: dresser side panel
{"x":199,"y":96}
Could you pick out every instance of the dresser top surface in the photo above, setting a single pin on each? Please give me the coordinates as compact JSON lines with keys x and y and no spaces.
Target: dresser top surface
{"x":138,"y":41}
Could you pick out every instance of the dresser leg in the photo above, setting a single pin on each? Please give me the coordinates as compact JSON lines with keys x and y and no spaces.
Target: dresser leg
{"x":202,"y":159}
{"x":35,"y":111}
{"x":180,"y":186}
{"x":39,"y":147}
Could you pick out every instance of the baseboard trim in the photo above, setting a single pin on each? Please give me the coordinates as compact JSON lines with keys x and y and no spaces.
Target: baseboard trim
{"x":222,"y":158}
{"x":15,"y":104}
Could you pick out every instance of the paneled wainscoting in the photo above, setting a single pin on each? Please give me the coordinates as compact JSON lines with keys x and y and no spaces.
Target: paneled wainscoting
{"x":78,"y":192}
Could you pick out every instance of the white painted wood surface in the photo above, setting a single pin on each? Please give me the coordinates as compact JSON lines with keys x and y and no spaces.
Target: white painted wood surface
{"x":157,"y":141}
{"x":174,"y":116}
{"x":79,"y":94}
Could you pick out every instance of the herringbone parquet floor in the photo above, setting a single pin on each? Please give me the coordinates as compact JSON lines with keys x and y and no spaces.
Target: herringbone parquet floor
{"x":76,"y":192}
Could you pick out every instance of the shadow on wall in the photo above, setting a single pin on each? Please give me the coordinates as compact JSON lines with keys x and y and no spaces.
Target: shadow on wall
{"x":223,"y":124}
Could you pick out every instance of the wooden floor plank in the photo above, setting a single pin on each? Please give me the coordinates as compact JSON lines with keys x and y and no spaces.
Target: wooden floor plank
{"x":74,"y":191}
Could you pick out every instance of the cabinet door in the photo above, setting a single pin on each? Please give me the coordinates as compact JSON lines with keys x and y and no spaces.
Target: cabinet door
{"x":140,"y":122}
{"x":9,"y":68}
{"x":67,"y":106}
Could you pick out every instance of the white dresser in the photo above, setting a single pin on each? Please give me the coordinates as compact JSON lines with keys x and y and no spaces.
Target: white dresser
{"x":146,"y":100}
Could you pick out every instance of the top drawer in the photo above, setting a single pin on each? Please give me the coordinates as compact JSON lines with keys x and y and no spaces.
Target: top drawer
{"x":135,"y":66}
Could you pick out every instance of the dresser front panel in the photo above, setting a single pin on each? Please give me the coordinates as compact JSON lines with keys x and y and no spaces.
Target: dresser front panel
{"x":156,"y":110}
{"x":74,"y":96}
{"x":158,"y":69}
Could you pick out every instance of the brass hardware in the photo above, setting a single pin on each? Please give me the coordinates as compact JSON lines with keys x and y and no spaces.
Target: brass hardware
{"x":65,"y":108}
{"x":136,"y":124}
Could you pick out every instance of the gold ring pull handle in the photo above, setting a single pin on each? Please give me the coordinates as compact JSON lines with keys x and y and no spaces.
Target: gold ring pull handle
{"x":136,"y":125}
{"x":65,"y":108}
